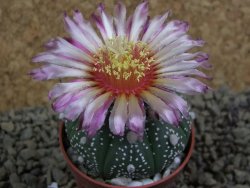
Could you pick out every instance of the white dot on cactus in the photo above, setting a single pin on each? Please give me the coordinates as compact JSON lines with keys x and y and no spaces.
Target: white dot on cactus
{"x":147,"y":181}
{"x":173,"y":139}
{"x":131,"y":168}
{"x":166,"y":172}
{"x":132,"y":137}
{"x":135,"y":184}
{"x":157,"y":177}
{"x":83,"y":140}
{"x":80,"y":159}
{"x":177,"y":160}
{"x":192,"y":114}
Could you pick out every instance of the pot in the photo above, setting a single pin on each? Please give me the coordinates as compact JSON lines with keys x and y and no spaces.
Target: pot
{"x":84,"y":181}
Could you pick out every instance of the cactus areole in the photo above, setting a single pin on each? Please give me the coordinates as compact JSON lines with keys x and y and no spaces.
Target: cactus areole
{"x":110,"y":156}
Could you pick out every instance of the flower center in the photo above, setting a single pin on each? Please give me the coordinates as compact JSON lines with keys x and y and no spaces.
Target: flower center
{"x":122,"y":66}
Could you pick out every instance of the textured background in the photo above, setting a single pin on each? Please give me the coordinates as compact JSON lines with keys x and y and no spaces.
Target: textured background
{"x":26,"y":24}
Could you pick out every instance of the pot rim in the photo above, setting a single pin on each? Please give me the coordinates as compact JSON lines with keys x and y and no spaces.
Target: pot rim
{"x":161,"y":181}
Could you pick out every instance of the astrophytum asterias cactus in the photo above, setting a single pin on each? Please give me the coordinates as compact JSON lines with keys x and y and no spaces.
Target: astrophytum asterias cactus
{"x":109,"y":156}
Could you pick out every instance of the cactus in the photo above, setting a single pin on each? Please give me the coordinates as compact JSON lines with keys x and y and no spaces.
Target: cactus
{"x":109,"y":156}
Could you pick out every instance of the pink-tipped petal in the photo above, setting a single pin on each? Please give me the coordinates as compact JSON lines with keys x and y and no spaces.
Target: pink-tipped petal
{"x":63,"y":88}
{"x":155,"y":27}
{"x":99,"y":118}
{"x":104,"y":23}
{"x":164,"y":111}
{"x":182,"y":85}
{"x":87,"y":29}
{"x":92,"y":109}
{"x":136,"y":115}
{"x":191,"y":72}
{"x":78,"y":103}
{"x":60,"y":60}
{"x":77,"y":34}
{"x":173,"y":100}
{"x":172,"y":29}
{"x":119,"y":116}
{"x":48,"y":72}
{"x":138,"y":20}
{"x":120,"y":19}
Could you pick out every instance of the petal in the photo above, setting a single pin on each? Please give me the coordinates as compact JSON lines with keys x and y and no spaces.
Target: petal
{"x":155,"y":27}
{"x":180,"y":66}
{"x":136,"y":115}
{"x":53,"y":71}
{"x":63,"y":88}
{"x":87,"y":29}
{"x":171,"y":99}
{"x":182,"y":85}
{"x":92,"y":109}
{"x":64,"y":48}
{"x":60,"y":60}
{"x":119,"y":116}
{"x":78,"y":104}
{"x":181,"y":47}
{"x":191,"y":72}
{"x":120,"y":19}
{"x":77,"y":34}
{"x":104,"y":23}
{"x":174,"y":27}
{"x":99,"y":117}
{"x":138,"y":21}
{"x":164,"y":111}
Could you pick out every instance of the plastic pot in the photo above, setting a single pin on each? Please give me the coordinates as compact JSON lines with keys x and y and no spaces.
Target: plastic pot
{"x":84,"y":181}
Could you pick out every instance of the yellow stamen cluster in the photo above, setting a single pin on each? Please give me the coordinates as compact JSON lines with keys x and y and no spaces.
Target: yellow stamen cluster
{"x":123,"y":59}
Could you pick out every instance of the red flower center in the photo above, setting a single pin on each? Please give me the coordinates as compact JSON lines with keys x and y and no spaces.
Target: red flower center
{"x":123,"y":67}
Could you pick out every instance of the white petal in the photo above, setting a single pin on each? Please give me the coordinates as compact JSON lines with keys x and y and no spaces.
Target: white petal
{"x":119,"y":116}
{"x":120,"y":19}
{"x":164,"y":111}
{"x":154,"y":27}
{"x":93,"y":107}
{"x":60,"y":60}
{"x":136,"y":115}
{"x":138,"y":21}
{"x":77,"y":34}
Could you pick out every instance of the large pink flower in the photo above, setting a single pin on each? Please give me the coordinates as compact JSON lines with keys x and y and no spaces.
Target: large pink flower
{"x":135,"y":60}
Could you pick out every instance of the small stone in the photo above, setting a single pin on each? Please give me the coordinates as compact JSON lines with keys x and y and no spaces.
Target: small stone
{"x":147,"y":181}
{"x":10,"y":166}
{"x":30,"y":179}
{"x":14,"y":178}
{"x":135,"y":184}
{"x":208,"y":140}
{"x":131,"y":168}
{"x":59,"y":176}
{"x":27,"y":153}
{"x":26,"y":134}
{"x":157,"y":177}
{"x":121,"y":181}
{"x":173,"y":139}
{"x":240,"y":176}
{"x":7,"y":126}
{"x":3,"y":173}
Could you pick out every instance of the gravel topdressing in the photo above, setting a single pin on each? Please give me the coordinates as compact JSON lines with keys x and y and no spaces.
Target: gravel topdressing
{"x":30,"y":155}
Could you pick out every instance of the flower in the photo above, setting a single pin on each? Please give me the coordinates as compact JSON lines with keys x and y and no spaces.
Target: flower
{"x":135,"y":61}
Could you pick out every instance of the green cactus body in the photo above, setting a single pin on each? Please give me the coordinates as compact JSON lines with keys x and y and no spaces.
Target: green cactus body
{"x":109,"y":156}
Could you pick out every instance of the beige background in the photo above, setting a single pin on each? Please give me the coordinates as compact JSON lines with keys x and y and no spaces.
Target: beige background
{"x":26,"y":24}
